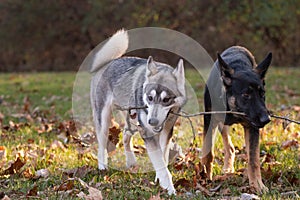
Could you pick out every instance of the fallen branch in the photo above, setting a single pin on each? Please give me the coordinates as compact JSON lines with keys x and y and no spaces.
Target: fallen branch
{"x":209,"y":113}
{"x":285,"y":118}
{"x":186,"y":115}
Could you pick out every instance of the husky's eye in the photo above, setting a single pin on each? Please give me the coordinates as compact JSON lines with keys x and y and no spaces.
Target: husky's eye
{"x":150,"y":98}
{"x":166,"y":100}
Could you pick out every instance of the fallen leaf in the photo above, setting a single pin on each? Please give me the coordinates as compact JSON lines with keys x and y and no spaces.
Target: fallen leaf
{"x":246,"y":196}
{"x":68,"y":185}
{"x":289,"y":143}
{"x":184,"y":183}
{"x":27,"y":173}
{"x":203,"y":190}
{"x":223,"y":177}
{"x":226,"y":191}
{"x":26,"y":104}
{"x":44,"y":173}
{"x":57,"y":145}
{"x":290,"y":194}
{"x":113,"y":138}
{"x":32,"y":192}
{"x":94,"y":194}
{"x":139,"y":149}
{"x":15,"y":167}
{"x":2,"y":152}
{"x":5,"y":198}
{"x":155,"y":197}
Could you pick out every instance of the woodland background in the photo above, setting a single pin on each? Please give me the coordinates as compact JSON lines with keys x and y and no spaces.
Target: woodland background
{"x":42,"y":35}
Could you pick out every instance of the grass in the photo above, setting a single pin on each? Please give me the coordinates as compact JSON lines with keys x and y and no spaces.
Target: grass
{"x":36,"y":127}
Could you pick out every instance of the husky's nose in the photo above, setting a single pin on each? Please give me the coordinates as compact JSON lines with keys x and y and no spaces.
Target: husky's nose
{"x":153,"y":121}
{"x":264,"y":119}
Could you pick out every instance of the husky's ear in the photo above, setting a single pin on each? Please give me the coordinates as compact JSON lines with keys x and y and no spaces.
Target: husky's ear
{"x":226,"y":71}
{"x":262,"y":67}
{"x":151,"y":67}
{"x":178,"y":72}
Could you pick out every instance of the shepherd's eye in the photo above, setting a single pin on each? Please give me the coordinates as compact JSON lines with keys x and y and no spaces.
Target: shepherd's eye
{"x":166,"y":100}
{"x":150,"y":98}
{"x":246,"y":96}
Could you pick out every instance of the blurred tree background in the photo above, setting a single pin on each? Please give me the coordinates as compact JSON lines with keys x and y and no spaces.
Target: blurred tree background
{"x":40,"y":35}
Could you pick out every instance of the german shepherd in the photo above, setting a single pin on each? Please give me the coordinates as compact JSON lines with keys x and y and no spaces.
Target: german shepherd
{"x":236,"y":83}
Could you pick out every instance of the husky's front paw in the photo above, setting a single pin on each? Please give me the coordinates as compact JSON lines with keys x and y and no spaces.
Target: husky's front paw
{"x":130,"y":159}
{"x":165,"y":181}
{"x":102,"y":166}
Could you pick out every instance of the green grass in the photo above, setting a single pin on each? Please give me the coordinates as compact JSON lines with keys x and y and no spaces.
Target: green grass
{"x":32,"y":137}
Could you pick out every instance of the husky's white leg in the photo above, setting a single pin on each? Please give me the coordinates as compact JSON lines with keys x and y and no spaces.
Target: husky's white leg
{"x":102,"y":122}
{"x":157,"y":158}
{"x":128,"y":133}
{"x":130,"y":157}
{"x":164,"y":141}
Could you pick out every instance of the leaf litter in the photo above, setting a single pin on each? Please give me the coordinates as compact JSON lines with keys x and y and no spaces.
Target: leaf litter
{"x":45,"y":122}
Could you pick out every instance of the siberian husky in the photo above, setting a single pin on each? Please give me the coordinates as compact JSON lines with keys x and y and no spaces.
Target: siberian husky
{"x":131,"y":82}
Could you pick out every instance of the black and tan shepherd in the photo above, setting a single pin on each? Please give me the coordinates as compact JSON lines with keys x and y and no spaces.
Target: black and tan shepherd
{"x":236,"y":83}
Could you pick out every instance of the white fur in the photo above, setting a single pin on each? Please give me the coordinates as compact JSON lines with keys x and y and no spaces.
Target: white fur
{"x":163,"y":94}
{"x":114,"y":48}
{"x":153,"y":93}
{"x":162,"y":173}
{"x":102,"y":134}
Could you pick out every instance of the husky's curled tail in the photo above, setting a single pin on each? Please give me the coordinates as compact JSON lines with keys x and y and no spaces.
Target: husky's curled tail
{"x":114,"y":48}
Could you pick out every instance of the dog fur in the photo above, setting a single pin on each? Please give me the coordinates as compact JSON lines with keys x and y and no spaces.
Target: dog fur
{"x":127,"y":82}
{"x":236,"y":83}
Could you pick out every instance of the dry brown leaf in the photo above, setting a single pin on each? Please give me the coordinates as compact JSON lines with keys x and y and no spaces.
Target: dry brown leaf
{"x":184,"y":183}
{"x":289,"y":143}
{"x":113,"y":138}
{"x":223,"y":177}
{"x":94,"y":194}
{"x":2,"y":152}
{"x":15,"y":167}
{"x":156,"y":197}
{"x":5,"y":198}
{"x":225,"y":191}
{"x":26,"y":104}
{"x":203,"y":190}
{"x":32,"y":192}
{"x":57,"y":145}
{"x":68,"y":185}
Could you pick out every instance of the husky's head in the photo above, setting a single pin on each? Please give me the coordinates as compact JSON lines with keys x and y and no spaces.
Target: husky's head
{"x":245,"y":91}
{"x":163,"y":90}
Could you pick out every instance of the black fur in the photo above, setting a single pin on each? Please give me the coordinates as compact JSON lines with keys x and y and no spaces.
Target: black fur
{"x":236,"y":84}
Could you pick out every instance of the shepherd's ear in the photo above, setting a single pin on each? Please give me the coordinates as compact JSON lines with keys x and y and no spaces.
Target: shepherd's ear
{"x":151,"y":67}
{"x":262,"y":67}
{"x":178,"y":72}
{"x":226,"y":71}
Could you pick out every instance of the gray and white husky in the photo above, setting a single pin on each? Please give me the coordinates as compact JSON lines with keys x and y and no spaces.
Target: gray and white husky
{"x":128,"y":82}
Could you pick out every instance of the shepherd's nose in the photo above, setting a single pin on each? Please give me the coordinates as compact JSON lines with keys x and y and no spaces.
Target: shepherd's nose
{"x":153,"y":121}
{"x":264,"y":119}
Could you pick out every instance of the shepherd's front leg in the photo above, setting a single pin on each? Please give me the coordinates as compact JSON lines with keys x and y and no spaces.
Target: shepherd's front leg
{"x":252,"y":147}
{"x":228,"y":148}
{"x":158,"y":161}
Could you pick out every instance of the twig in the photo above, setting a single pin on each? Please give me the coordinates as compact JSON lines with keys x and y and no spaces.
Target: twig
{"x":186,"y":115}
{"x":285,"y":118}
{"x":191,"y":124}
{"x":209,"y":113}
{"x":131,"y":108}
